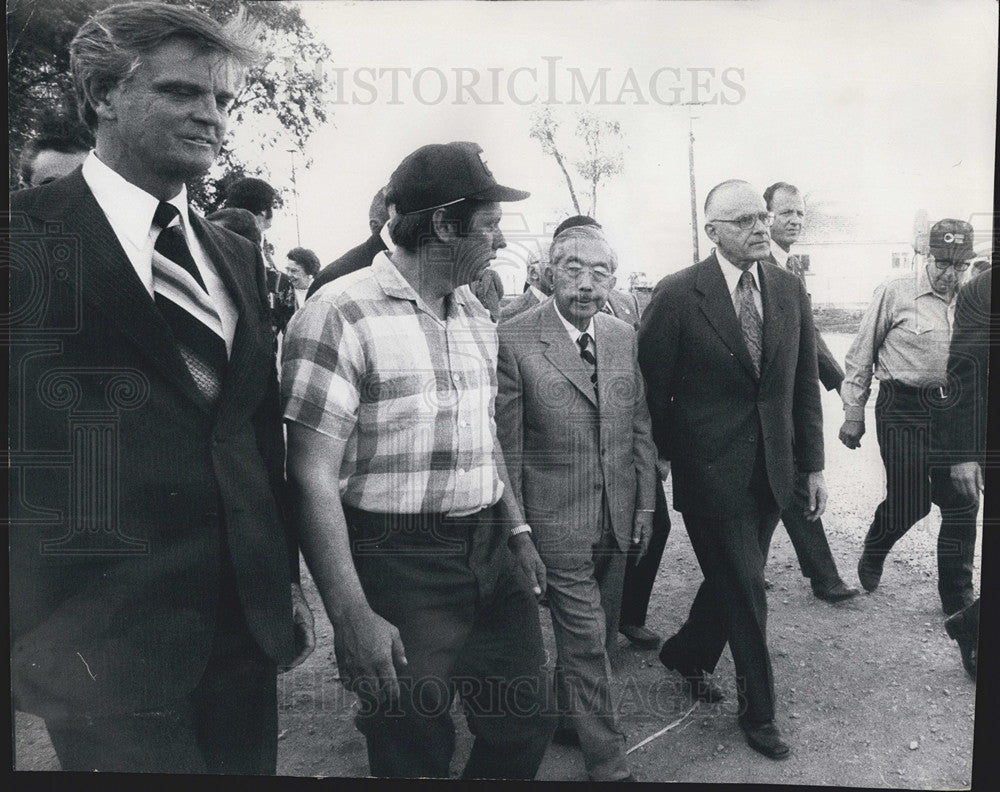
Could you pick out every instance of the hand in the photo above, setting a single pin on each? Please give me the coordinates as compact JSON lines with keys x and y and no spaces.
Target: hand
{"x":303,"y":627}
{"x":662,"y":468}
{"x":529,"y":562}
{"x":815,"y":495}
{"x":369,"y":652}
{"x":851,"y":432}
{"x":642,"y":530}
{"x":967,"y":478}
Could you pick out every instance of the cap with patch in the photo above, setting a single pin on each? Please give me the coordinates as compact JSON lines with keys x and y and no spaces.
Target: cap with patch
{"x":951,"y":240}
{"x":442,"y":174}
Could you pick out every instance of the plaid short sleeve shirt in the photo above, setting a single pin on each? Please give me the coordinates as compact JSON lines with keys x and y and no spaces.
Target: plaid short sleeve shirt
{"x":412,"y":395}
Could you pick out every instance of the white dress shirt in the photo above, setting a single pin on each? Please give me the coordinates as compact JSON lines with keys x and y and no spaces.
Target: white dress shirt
{"x":539,"y":294}
{"x":780,"y":255}
{"x":130,"y":211}
{"x":732,"y":274}
{"x":574,"y":333}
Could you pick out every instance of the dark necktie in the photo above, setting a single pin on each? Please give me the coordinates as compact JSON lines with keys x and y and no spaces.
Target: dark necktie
{"x":750,"y":321}
{"x":588,"y":356}
{"x":181,"y":297}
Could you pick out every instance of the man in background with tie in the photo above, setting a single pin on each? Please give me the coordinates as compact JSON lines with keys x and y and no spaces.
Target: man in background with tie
{"x":727,"y":347}
{"x":785,"y":202}
{"x":153,"y":573}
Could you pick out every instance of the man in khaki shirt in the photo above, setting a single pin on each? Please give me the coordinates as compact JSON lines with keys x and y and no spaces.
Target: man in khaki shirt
{"x":903,"y":340}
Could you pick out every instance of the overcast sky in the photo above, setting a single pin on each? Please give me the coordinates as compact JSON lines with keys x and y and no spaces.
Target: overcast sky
{"x":882,"y":108}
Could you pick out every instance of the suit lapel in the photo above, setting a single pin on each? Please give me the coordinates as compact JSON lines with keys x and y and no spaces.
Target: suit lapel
{"x":718,"y":308}
{"x":110,"y":284}
{"x":612,"y":357}
{"x":561,"y":352}
{"x":775,"y":304}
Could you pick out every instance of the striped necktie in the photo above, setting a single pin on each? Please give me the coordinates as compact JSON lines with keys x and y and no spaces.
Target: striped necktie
{"x":588,"y":356}
{"x":750,"y":320}
{"x":182,"y":298}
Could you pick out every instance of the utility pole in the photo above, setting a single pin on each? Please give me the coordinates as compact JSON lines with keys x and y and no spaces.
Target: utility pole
{"x":295,"y":195}
{"x":694,"y":198}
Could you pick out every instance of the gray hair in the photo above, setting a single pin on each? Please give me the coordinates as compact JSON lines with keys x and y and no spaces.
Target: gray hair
{"x":572,"y":236}
{"x":108,"y":47}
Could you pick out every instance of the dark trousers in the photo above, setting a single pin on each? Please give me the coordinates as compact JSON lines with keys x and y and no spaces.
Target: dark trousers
{"x":470,"y":626}
{"x":903,"y":418}
{"x":228,"y":724}
{"x":640,"y":575}
{"x":731,"y":604}
{"x":811,"y":546}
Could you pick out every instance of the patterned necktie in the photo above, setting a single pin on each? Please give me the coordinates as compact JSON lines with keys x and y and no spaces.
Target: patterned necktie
{"x":588,"y":356}
{"x":181,"y":297}
{"x":750,"y":320}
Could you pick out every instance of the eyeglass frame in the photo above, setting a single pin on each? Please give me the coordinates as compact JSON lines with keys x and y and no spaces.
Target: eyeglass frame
{"x":599,"y":278}
{"x":767,"y":218}
{"x":960,"y":266}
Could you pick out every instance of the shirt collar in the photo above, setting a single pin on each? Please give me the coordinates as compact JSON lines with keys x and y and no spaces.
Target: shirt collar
{"x":780,"y":256}
{"x":129,"y":209}
{"x":391,"y":279}
{"x":571,"y":328}
{"x":542,"y":296}
{"x":732,"y":273}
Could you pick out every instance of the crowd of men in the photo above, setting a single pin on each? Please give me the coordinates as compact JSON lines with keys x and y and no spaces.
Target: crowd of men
{"x":452,"y":461}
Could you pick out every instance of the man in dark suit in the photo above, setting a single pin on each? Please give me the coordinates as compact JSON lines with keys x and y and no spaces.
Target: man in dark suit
{"x":362,"y":255}
{"x":574,"y":429}
{"x":960,"y":428}
{"x":150,"y":564}
{"x":785,"y":202}
{"x":727,"y":347}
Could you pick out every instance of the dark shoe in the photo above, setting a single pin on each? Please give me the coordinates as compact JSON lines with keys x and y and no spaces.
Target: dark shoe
{"x":838,"y":592}
{"x":869,"y":572}
{"x":951,"y":607}
{"x":700,"y":686}
{"x":968,"y":641}
{"x":566,"y":735}
{"x":766,"y":739}
{"x":642,"y":637}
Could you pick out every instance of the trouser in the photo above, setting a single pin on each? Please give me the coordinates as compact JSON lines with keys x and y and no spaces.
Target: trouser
{"x":640,"y":575}
{"x":469,"y":625}
{"x":228,"y":724}
{"x":810,"y":543}
{"x":731,"y":604}
{"x":578,"y":587}
{"x":903,"y":417}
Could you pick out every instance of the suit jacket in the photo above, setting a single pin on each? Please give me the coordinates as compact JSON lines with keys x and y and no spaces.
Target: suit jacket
{"x":625,"y":306}
{"x":128,"y":490}
{"x":831,"y":374}
{"x":709,"y":410}
{"x":567,"y":448}
{"x":354,"y":259}
{"x":960,"y":431}
{"x":519,"y":304}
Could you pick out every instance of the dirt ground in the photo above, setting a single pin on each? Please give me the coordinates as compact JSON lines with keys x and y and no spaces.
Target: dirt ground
{"x":870,"y":692}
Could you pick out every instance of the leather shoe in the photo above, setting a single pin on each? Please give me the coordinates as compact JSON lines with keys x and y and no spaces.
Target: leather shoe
{"x":968,"y":641}
{"x":700,"y":686}
{"x":838,"y":592}
{"x":766,"y":739}
{"x":869,"y":572}
{"x":642,"y":637}
{"x":566,"y":735}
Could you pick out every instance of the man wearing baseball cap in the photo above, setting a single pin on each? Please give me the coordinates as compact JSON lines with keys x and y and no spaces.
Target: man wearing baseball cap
{"x":413,"y":535}
{"x":904,"y":338}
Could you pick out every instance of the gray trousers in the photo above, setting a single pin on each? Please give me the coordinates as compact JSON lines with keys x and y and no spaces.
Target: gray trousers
{"x":582,"y":590}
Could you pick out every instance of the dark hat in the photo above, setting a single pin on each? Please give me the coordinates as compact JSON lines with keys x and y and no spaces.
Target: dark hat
{"x":445,"y":173}
{"x":951,"y":240}
{"x":575,"y":222}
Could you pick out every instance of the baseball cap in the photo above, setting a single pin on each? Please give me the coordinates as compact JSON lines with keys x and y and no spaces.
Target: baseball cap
{"x":442,"y":174}
{"x":951,"y":240}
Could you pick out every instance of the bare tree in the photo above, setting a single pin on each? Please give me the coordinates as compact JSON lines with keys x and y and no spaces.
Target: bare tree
{"x":602,"y":141}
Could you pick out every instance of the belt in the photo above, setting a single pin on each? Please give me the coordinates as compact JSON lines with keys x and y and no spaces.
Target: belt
{"x":925,"y":391}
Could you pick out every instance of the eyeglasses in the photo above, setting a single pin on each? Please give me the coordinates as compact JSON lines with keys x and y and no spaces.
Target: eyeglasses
{"x":598,"y":274}
{"x":943,"y":264}
{"x":748,"y":221}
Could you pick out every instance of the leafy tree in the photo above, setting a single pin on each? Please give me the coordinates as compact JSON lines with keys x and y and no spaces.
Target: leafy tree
{"x":283,"y":95}
{"x":595,"y":152}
